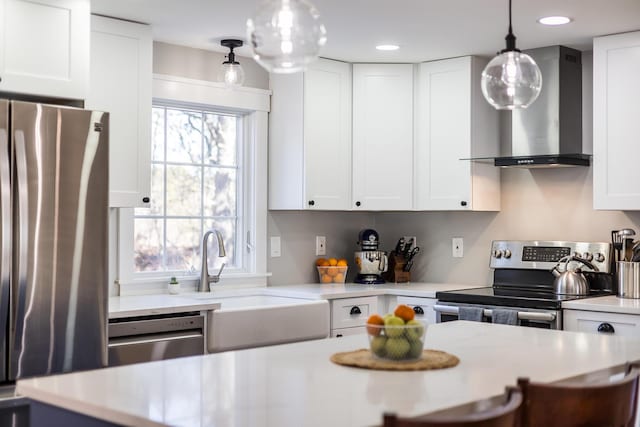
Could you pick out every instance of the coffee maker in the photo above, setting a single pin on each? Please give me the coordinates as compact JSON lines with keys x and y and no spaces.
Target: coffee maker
{"x":370,"y":261}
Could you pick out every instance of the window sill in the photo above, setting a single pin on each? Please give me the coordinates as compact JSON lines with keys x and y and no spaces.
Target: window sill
{"x":158,"y":285}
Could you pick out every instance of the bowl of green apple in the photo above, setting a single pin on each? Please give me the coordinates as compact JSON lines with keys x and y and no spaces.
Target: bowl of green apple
{"x":397,"y":336}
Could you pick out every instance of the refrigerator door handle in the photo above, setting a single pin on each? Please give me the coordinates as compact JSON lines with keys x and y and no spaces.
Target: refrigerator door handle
{"x":21,"y":249}
{"x":5,"y":242}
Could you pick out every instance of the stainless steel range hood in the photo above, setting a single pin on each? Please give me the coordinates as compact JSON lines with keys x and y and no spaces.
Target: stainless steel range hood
{"x":549,"y":132}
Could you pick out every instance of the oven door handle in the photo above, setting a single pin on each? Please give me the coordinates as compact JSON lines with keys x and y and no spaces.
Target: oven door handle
{"x":522,"y":315}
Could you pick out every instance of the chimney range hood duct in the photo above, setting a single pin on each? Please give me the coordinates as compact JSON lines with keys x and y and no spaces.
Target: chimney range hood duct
{"x":549,"y":132}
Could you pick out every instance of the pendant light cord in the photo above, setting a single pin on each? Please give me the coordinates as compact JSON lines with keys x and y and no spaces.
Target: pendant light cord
{"x":511,"y":39}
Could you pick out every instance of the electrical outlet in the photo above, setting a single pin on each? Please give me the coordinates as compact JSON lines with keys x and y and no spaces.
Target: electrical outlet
{"x":275,"y":246}
{"x":457,"y":247}
{"x":415,"y":241}
{"x":321,"y":245}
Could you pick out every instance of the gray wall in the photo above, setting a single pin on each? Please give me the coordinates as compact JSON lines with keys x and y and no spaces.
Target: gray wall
{"x":552,"y":204}
{"x":202,"y":64}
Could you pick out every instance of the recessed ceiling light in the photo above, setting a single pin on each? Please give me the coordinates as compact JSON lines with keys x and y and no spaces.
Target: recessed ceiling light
{"x":554,"y":20}
{"x":388,"y":47}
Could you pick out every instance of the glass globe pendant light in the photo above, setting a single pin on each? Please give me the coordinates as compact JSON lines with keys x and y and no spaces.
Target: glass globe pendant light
{"x":286,"y":35}
{"x":231,"y":72}
{"x":512,"y":79}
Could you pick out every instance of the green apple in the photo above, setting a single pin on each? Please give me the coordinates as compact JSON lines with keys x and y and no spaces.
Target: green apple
{"x":397,"y":348}
{"x":415,"y":349}
{"x":393,"y":326}
{"x":377,"y":345}
{"x":415,"y":330}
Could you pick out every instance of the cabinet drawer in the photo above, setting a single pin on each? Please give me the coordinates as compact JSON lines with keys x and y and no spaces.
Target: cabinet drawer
{"x":343,"y":332}
{"x":625,"y":325}
{"x":423,"y":307}
{"x":352,"y":312}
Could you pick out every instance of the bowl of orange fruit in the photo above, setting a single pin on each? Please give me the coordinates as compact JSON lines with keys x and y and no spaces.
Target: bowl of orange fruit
{"x":396,"y":336}
{"x":332,"y":270}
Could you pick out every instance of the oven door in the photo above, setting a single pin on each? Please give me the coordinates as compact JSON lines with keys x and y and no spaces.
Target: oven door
{"x":536,"y":318}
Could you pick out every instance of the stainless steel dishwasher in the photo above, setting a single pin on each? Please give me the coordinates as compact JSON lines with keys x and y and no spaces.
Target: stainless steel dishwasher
{"x":155,"y":337}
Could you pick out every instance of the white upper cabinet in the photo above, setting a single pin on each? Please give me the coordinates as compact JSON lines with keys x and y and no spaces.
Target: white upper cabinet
{"x":44,"y":47}
{"x":310,"y":138}
{"x":383,"y":136}
{"x":453,"y":122}
{"x":616,"y":124}
{"x":121,"y":78}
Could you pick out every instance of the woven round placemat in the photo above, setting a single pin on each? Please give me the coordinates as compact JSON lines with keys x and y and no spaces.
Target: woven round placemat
{"x":431,"y":359}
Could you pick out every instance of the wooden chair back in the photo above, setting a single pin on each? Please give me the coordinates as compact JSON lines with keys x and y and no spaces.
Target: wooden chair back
{"x":605,"y":404}
{"x":505,"y":415}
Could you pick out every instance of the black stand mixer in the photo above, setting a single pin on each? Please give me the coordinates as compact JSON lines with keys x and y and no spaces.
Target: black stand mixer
{"x":370,"y":261}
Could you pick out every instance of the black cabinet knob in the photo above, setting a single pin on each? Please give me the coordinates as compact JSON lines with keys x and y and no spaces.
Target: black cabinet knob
{"x":358,"y":203}
{"x":606,"y":328}
{"x":312,"y":202}
{"x":146,"y":200}
{"x":463,"y":203}
{"x":355,"y":310}
{"x":418,"y":310}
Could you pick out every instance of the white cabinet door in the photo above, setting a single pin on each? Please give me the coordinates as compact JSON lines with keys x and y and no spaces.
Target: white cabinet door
{"x":327,"y":135}
{"x":121,"y":75}
{"x":382,"y":136}
{"x":44,"y":47}
{"x":625,"y":325}
{"x":616,"y":90}
{"x":454,"y":122}
{"x":310,"y":138}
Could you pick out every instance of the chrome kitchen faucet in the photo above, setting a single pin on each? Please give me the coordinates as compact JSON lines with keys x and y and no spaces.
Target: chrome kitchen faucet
{"x":205,"y":277}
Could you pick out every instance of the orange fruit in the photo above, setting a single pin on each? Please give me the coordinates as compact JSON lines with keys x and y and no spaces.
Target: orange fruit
{"x":333,"y":261}
{"x":320,"y":262}
{"x":342,"y":262}
{"x":373,"y":324}
{"x":338,"y":278}
{"x":325,"y":278}
{"x":404,"y":312}
{"x":324,"y":263}
{"x":332,"y":271}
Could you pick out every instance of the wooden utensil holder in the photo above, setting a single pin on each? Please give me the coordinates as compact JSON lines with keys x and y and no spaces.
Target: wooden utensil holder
{"x":395,"y":273}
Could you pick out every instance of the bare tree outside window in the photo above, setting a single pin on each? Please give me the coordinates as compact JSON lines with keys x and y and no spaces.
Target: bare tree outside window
{"x":194,"y":188}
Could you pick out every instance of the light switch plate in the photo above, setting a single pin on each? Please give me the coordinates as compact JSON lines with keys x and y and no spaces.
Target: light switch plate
{"x":275,"y":246}
{"x":321,"y":245}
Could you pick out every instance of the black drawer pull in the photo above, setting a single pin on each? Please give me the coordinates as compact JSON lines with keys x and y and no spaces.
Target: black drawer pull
{"x":418,"y":310}
{"x":606,"y":328}
{"x":312,"y":202}
{"x":339,"y":336}
{"x":355,"y":310}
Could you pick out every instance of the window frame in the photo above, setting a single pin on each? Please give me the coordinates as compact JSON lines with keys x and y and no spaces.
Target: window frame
{"x":253,"y":105}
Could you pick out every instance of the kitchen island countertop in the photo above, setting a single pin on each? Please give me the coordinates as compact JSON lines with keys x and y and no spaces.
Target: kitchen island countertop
{"x":296,"y":384}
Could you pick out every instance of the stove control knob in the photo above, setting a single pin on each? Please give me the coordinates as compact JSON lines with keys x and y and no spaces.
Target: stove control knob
{"x":587,"y":256}
{"x":507,"y":253}
{"x":576,"y":254}
{"x":497,"y":253}
{"x":599,"y":257}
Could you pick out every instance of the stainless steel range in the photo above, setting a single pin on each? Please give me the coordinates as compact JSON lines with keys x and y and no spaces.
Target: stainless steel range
{"x":523,"y":282}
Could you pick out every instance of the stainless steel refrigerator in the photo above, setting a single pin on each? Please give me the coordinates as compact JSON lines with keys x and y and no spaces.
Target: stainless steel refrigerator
{"x":53,"y":239}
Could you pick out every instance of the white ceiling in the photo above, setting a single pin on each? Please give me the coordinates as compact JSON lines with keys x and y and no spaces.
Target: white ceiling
{"x":424,"y":29}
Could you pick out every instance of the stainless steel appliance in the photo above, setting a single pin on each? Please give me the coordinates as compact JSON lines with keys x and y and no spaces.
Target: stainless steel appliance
{"x":157,"y":337}
{"x":523,"y":282}
{"x":53,"y":251}
{"x":371,"y":262}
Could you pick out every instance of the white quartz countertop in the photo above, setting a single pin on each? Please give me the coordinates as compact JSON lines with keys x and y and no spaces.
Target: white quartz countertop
{"x":144,"y":305}
{"x":296,"y":384}
{"x":141,"y":305}
{"x":611,"y":304}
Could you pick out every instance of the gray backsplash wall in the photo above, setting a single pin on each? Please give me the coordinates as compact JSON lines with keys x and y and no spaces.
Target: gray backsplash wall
{"x":536,"y":204}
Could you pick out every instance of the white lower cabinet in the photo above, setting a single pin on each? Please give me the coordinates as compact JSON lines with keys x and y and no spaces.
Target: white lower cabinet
{"x":422,"y":307}
{"x":624,"y":325}
{"x":349,"y":315}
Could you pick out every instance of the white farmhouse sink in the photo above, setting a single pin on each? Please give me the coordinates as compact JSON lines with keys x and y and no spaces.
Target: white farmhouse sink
{"x":258,"y":320}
